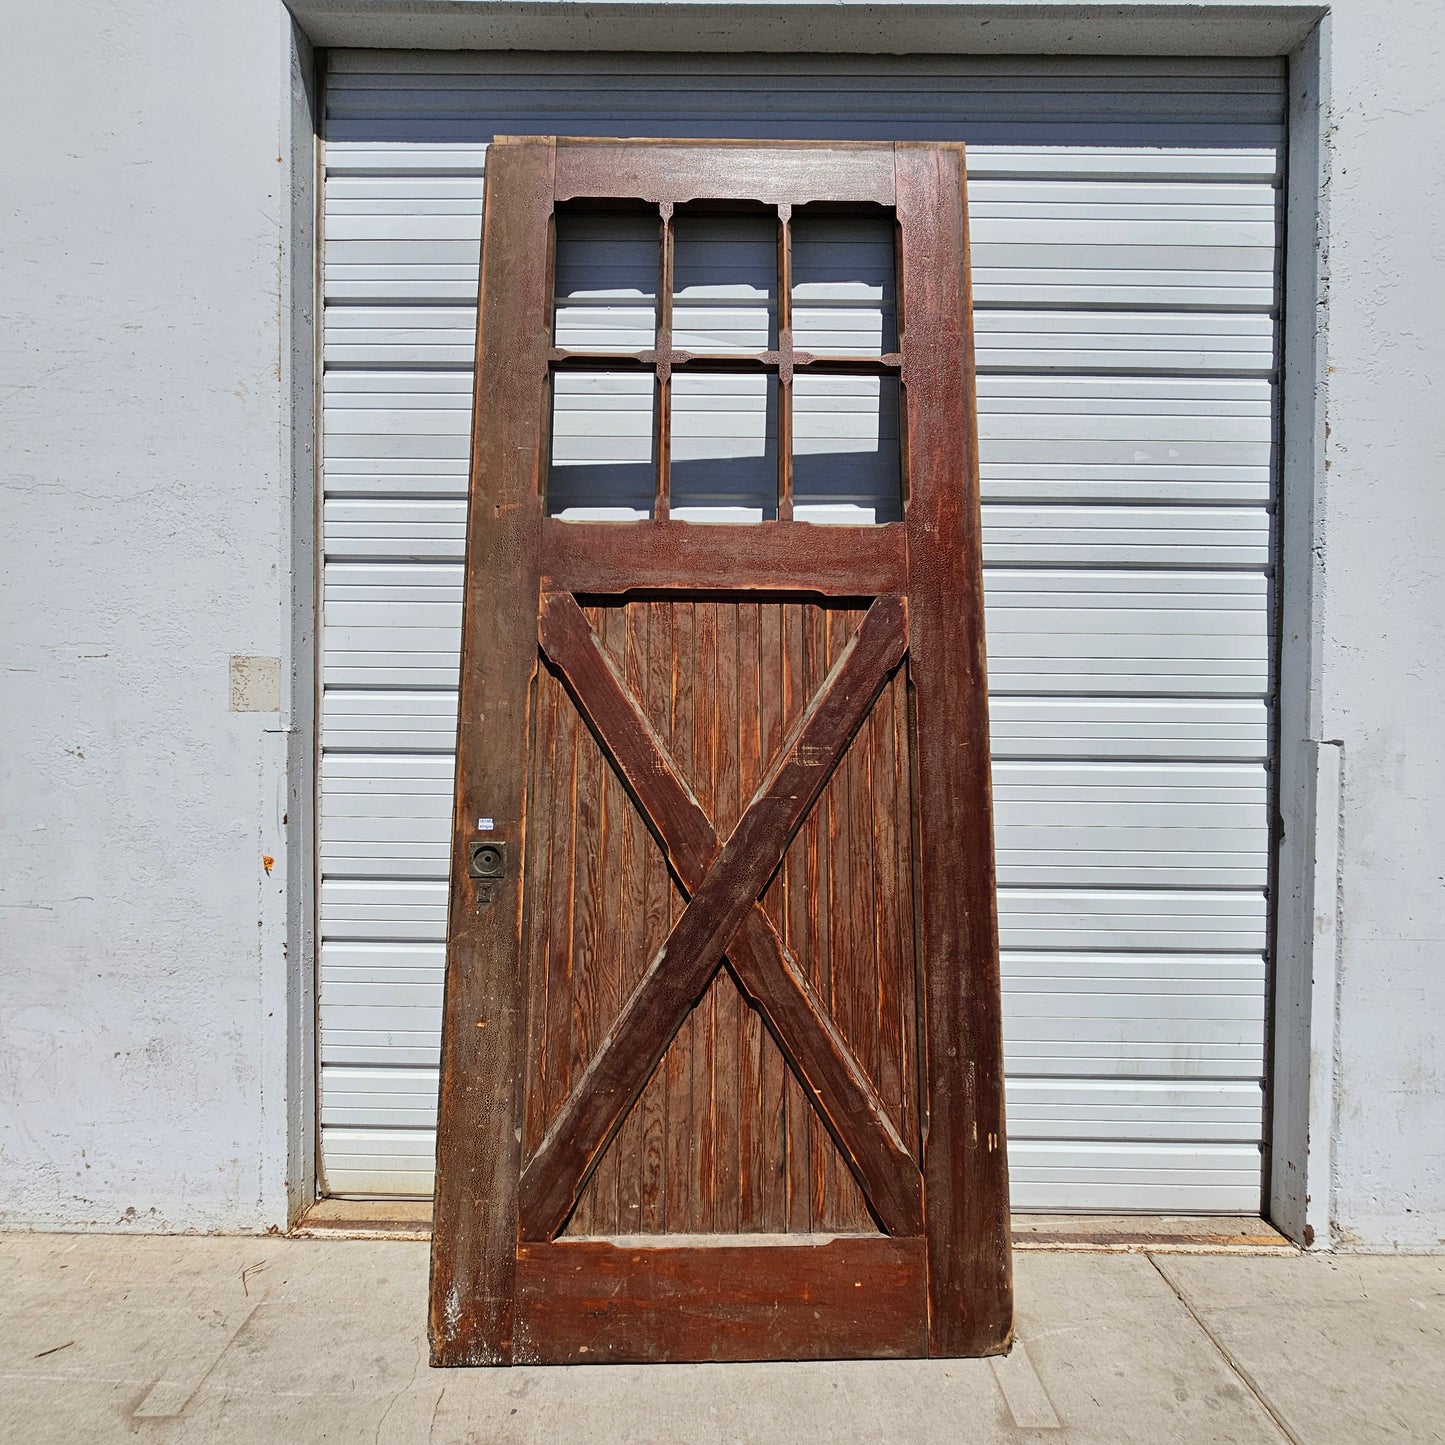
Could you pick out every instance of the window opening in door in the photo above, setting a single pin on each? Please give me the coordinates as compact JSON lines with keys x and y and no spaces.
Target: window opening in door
{"x":603,"y":463}
{"x":725,"y":366}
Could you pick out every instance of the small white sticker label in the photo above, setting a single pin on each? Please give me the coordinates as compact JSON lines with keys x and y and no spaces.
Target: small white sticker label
{"x":484,"y":825}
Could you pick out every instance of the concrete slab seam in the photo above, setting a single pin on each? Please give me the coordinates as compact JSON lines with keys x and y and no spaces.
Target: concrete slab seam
{"x":168,"y":1397}
{"x":1240,"y":1373}
{"x":1023,"y":1391}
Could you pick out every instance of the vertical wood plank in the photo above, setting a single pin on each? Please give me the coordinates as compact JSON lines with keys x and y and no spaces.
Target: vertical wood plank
{"x":809,"y":902}
{"x":911,"y":1128}
{"x":612,"y":881}
{"x":774,"y":1109}
{"x":883,"y":799}
{"x":473,"y":1259}
{"x":863,"y":903}
{"x":589,"y":823}
{"x":557,"y":1061}
{"x":751,"y":1152}
{"x":633,"y":943}
{"x":704,"y":780}
{"x":965,"y":1175}
{"x":812,"y":667}
{"x":681,"y":1122}
{"x":807,"y":907}
{"x":658,"y":694}
{"x":727,"y":1020}
{"x":831,"y":939}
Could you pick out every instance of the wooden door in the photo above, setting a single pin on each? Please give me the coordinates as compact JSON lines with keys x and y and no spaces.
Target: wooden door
{"x":721,"y":1057}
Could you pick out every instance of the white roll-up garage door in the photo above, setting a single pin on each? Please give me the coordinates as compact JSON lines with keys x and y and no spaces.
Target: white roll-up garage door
{"x":1125,"y":225}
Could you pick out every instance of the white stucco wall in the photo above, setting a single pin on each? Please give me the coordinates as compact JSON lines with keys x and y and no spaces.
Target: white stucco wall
{"x":145,"y":456}
{"x":1383,"y":684}
{"x":145,"y":540}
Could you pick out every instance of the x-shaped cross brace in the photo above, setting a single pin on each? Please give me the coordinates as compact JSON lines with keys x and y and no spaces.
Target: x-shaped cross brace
{"x":723,"y":916}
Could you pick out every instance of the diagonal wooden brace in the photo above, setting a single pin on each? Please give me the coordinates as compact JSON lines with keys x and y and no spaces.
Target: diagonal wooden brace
{"x":724,"y":915}
{"x":770,"y":977}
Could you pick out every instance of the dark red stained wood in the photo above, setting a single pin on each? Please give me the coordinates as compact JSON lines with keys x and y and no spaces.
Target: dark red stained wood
{"x":773,"y":172}
{"x":797,"y":1015}
{"x":640,"y":752}
{"x":595,"y":1301}
{"x":587,"y":954}
{"x":965,"y":1174}
{"x":727,"y":1022}
{"x":892,"y":979}
{"x":809,"y":904}
{"x":663,"y":431}
{"x":535,"y":900}
{"x":833,"y":1083}
{"x":842,"y":984}
{"x":751,"y":1149}
{"x":473,"y":1261}
{"x":785,"y":359}
{"x":617,"y":808}
{"x":661,"y":893}
{"x":704,"y":1021}
{"x":555,"y":1063}
{"x":911,"y":1125}
{"x":681,"y":1123}
{"x":600,"y":557}
{"x":782,"y":1167}
{"x":636,"y":845}
{"x":785,"y":371}
{"x":858,"y":923}
{"x":724,"y":899}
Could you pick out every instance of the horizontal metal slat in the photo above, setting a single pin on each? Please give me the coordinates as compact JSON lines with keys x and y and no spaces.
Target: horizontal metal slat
{"x":365,"y":160}
{"x":1099,"y":1177}
{"x":1176,"y":1110}
{"x":1121,"y":919}
{"x":1030,"y":918}
{"x":1071,"y":824}
{"x":1180,"y":729}
{"x":385,"y":1162}
{"x":1207,"y":1111}
{"x":1110,"y":1177}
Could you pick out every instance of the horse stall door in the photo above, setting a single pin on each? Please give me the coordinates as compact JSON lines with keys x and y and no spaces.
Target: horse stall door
{"x":721,"y":1071}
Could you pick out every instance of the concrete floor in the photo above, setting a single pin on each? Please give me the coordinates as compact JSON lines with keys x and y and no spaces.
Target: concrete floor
{"x":202,"y":1339}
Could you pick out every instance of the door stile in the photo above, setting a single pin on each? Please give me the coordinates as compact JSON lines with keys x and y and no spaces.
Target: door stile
{"x":964,"y":1169}
{"x":479,"y":1117}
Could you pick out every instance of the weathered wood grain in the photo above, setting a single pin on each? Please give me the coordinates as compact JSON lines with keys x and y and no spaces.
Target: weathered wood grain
{"x":473,"y":1261}
{"x":719,"y":905}
{"x":966,"y":1177}
{"x":766,"y":171}
{"x":831,"y":1071}
{"x":749,"y":986}
{"x":602,"y":558}
{"x":596,"y":1301}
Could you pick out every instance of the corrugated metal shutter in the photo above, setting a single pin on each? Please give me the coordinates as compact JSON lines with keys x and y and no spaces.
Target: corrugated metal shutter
{"x":1125,"y":220}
